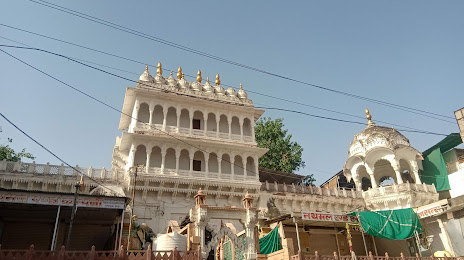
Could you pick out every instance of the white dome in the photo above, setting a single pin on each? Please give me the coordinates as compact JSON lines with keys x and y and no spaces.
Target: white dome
{"x":196,"y":86}
{"x":146,"y":75}
{"x":171,"y":80}
{"x":231,"y":92}
{"x":183,"y":83}
{"x":219,"y":90}
{"x":377,"y":136}
{"x":207,"y":87}
{"x":241,"y":93}
{"x":159,"y":79}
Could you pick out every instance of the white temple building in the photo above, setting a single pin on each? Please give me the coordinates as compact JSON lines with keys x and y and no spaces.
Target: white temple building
{"x":179,"y":137}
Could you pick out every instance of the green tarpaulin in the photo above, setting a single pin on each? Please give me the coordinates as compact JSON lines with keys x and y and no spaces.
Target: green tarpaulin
{"x":435,"y":171}
{"x":390,"y":224}
{"x":270,"y":243}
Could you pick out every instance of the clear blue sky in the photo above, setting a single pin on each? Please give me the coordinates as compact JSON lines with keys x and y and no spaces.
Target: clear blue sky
{"x":405,"y":52}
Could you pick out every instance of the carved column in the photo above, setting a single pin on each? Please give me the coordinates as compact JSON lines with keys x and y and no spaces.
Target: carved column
{"x":250,"y":224}
{"x":163,"y":159}
{"x":370,"y":171}
{"x":241,"y":127}
{"x":150,"y":121}
{"x":135,"y":114}
{"x":165,"y":113}
{"x":191,"y":155}
{"x":191,"y":122}
{"x":232,"y":166}
{"x":205,"y":123}
{"x":132,"y":155}
{"x":148,"y":161}
{"x":206,"y":164}
{"x":252,"y":123}
{"x":396,"y":168}
{"x":415,"y":171}
{"x":229,"y":120}
{"x":178,"y":113}
{"x":217,"y":125}
{"x":177,"y":162}
{"x":219,"y":159}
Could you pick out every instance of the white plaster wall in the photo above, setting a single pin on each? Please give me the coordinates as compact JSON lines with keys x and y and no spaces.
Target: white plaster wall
{"x":456,"y":181}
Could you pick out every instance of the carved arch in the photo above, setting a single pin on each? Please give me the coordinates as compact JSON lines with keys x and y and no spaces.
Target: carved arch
{"x":224,"y":231}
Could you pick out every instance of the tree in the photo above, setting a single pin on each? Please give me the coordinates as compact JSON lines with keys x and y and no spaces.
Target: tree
{"x":283,"y":155}
{"x":308,"y":180}
{"x":8,"y":153}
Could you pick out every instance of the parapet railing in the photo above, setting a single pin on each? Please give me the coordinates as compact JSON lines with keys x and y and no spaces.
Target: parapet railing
{"x":50,"y":169}
{"x":335,"y":256}
{"x":120,"y":254}
{"x":314,"y":190}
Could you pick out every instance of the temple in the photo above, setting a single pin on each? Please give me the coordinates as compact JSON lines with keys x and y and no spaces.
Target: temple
{"x":187,"y":162}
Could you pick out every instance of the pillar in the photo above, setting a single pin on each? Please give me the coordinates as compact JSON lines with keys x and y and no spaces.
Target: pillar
{"x":206,"y":164}
{"x":148,"y":160}
{"x":132,"y":155}
{"x":232,"y":165}
{"x":396,"y":168}
{"x":205,"y":123}
{"x":150,"y":121}
{"x":163,"y":159}
{"x":252,"y":123}
{"x":178,"y":113}
{"x":165,"y":113}
{"x":229,"y":120}
{"x":135,"y":114}
{"x":219,"y":159}
{"x":250,"y":224}
{"x":415,"y":171}
{"x":217,"y":126}
{"x":191,"y":155}
{"x":240,"y":120}
{"x":191,"y":122}
{"x":370,"y":171}
{"x":177,"y":162}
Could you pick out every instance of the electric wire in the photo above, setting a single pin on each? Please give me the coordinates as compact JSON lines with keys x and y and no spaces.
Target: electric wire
{"x":67,"y":57}
{"x":53,"y":154}
{"x":191,"y":50}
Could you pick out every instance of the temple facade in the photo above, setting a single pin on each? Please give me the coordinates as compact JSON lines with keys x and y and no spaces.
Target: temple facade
{"x":179,"y":137}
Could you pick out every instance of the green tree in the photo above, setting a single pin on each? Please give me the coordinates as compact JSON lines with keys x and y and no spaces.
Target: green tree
{"x":283,"y":155}
{"x":8,"y":153}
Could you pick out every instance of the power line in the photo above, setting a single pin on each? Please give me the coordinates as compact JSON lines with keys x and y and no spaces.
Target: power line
{"x":168,"y":91}
{"x":204,"y":54}
{"x":53,"y":154}
{"x":333,"y":111}
{"x":120,"y":111}
{"x":251,"y":91}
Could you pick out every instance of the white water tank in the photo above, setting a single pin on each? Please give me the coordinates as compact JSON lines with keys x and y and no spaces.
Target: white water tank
{"x":167,"y":242}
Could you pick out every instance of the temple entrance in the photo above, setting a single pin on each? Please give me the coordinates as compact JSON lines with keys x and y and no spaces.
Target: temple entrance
{"x":203,"y":214}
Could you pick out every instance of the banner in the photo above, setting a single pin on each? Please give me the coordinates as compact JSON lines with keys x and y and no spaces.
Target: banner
{"x":61,"y":200}
{"x":329,"y":217}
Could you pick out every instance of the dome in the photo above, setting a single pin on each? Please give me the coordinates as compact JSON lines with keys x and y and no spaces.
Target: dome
{"x":146,"y":75}
{"x":183,"y":83}
{"x":241,"y":93}
{"x":231,"y":92}
{"x":376,"y":136}
{"x":207,"y":87}
{"x":172,"y":81}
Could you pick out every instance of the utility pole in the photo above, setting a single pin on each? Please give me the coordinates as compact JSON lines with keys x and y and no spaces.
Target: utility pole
{"x":132,"y":207}
{"x":73,"y":211}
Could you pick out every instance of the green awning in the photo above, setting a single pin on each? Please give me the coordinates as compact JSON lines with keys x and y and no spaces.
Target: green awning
{"x":270,"y":243}
{"x":390,"y":224}
{"x":435,"y":171}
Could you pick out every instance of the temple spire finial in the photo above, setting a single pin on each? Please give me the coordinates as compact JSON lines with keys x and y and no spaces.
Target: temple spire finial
{"x":369,"y":118}
{"x":199,"y":78}
{"x":241,"y":87}
{"x":146,"y":68}
{"x":207,"y":79}
{"x":159,"y":69}
{"x":179,"y":73}
{"x":218,"y":81}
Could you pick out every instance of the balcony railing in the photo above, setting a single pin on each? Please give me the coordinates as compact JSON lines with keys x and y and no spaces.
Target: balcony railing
{"x":156,"y":171}
{"x":399,"y":188}
{"x":315,"y":190}
{"x":194,"y":132}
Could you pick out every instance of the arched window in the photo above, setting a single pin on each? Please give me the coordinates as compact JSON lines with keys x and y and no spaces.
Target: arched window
{"x":158,"y":115}
{"x":184,"y":160}
{"x":235,"y":126}
{"x":170,"y":159}
{"x":171,"y":117}
{"x":238,"y":165}
{"x":250,"y":166}
{"x":199,"y":161}
{"x":213,"y":165}
{"x":247,"y":127}
{"x":155,"y":157}
{"x":140,"y":157}
{"x":225,"y":164}
{"x":223,"y":124}
{"x":144,"y":113}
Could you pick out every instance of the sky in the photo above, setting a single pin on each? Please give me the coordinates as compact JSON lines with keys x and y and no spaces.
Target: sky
{"x":404,"y":52}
